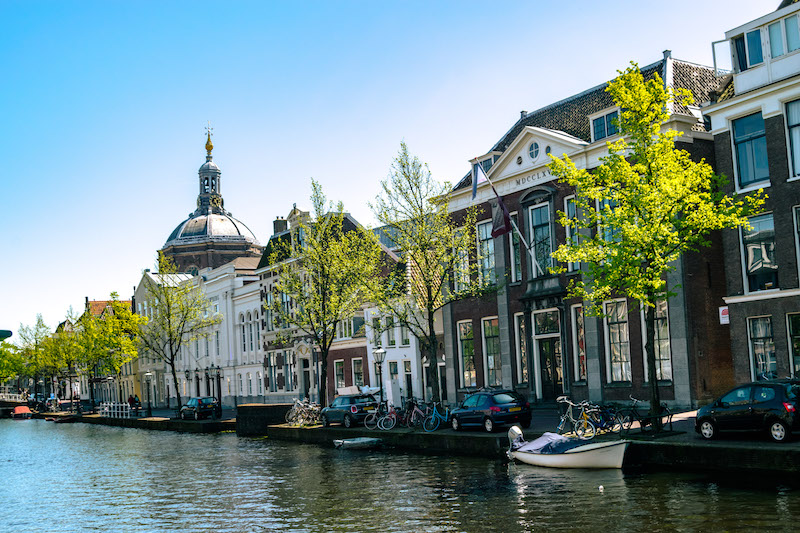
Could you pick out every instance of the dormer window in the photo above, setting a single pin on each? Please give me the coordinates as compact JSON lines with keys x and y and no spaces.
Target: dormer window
{"x":748,"y":50}
{"x":604,"y":126}
{"x":784,"y":36}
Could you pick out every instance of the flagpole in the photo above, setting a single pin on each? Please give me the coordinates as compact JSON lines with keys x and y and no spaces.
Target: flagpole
{"x":536,"y":265}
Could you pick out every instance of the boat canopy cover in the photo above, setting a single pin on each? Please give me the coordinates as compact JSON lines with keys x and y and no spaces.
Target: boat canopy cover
{"x":548,"y":444}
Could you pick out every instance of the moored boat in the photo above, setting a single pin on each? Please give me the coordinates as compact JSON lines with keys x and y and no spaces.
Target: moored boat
{"x":21,"y":412}
{"x":557,"y":451}
{"x":359,"y":443}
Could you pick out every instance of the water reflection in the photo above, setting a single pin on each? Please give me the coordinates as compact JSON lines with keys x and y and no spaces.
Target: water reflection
{"x":79,"y":477}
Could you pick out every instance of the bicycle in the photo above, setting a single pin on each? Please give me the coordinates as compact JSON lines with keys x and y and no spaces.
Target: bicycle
{"x":414,"y":416}
{"x":433,"y":420}
{"x":581,"y":425}
{"x":605,"y":418}
{"x":646,"y":421}
{"x":371,"y":421}
{"x":389,"y":420}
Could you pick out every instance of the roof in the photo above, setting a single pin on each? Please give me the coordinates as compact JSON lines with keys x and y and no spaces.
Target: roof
{"x":570,"y":115}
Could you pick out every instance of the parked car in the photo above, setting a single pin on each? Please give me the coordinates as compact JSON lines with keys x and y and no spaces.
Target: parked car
{"x":769,"y":406}
{"x":349,"y":409}
{"x":201,"y":407}
{"x":491,"y":409}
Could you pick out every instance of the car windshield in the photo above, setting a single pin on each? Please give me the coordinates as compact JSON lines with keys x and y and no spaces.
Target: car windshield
{"x":207,"y":401}
{"x":363,"y":399}
{"x":507,"y":397}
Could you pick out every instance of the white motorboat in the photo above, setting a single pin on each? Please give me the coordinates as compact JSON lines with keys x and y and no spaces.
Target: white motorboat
{"x":359,"y":443}
{"x":557,"y":451}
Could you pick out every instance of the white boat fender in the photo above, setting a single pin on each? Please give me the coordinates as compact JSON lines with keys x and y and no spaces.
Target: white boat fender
{"x":600,"y":488}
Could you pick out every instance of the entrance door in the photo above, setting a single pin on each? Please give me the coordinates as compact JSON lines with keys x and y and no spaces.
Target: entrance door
{"x":550,"y":363}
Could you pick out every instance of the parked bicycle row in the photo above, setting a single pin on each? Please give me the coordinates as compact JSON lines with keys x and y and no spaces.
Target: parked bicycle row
{"x":585,"y":419}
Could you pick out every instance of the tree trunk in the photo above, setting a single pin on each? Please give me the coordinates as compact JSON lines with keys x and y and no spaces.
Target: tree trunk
{"x":433,"y":360}
{"x":171,"y":364}
{"x":655,"y":398}
{"x":323,"y":379}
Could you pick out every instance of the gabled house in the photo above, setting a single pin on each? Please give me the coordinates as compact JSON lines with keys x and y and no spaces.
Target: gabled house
{"x":528,"y":335}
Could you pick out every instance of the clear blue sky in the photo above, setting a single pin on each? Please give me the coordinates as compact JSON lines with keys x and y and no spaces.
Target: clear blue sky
{"x":104,"y":106}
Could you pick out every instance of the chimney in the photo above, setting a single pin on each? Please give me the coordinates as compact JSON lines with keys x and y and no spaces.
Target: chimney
{"x":667,"y":54}
{"x":522,"y":114}
{"x":279,"y":225}
{"x":87,"y":303}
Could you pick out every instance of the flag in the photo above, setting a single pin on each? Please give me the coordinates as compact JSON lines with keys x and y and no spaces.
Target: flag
{"x":501,"y":219}
{"x":478,"y":176}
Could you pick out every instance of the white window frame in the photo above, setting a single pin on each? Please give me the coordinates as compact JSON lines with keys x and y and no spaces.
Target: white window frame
{"x":604,"y":113}
{"x":644,"y":342}
{"x":608,"y":339}
{"x":756,"y":185}
{"x":743,"y":257}
{"x":391,"y":336}
{"x":518,"y":348}
{"x":534,"y":273}
{"x":353,"y":370}
{"x":750,"y":344}
{"x":490,"y":242}
{"x":335,"y":377}
{"x":789,"y":343}
{"x":571,"y":267}
{"x":461,"y":379}
{"x":575,"y":341}
{"x":461,"y":275}
{"x":486,"y":353}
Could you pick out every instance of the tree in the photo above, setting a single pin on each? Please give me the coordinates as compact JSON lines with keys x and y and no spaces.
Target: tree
{"x":656,"y":204}
{"x":11,"y":362}
{"x":180,"y":313}
{"x":326,"y":274}
{"x":413,"y":210}
{"x":31,"y":345}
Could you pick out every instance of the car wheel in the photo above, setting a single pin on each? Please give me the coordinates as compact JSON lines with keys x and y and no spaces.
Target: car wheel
{"x":348,"y":421}
{"x":325,"y":422}
{"x":526,"y":424}
{"x":183,"y":415}
{"x":488,"y":425}
{"x":778,"y":431}
{"x":197,"y":415}
{"x":707,"y":429}
{"x":455,"y":424}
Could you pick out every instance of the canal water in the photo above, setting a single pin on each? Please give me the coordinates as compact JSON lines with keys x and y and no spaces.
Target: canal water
{"x":81,"y":477}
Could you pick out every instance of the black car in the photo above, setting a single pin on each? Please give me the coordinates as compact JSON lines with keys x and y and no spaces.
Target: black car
{"x":491,"y":409}
{"x":769,"y":406}
{"x":201,"y":407}
{"x":349,"y":409}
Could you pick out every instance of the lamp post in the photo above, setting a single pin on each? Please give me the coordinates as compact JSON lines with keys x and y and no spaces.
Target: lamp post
{"x":380,"y":356}
{"x":218,"y":374}
{"x":197,"y":380}
{"x":208,"y":384}
{"x":147,"y":377}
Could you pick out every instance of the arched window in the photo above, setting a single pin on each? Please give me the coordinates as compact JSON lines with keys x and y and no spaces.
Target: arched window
{"x":258,"y":379}
{"x":244,"y":339}
{"x":250,"y":329}
{"x":249,"y":385}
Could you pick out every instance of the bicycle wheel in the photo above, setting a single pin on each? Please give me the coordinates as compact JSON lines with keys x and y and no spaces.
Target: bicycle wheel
{"x":562,"y":426}
{"x":290,"y":415}
{"x":585,"y":430}
{"x":616,"y":424}
{"x":371,"y":422}
{"x":389,"y":422}
{"x":666,"y":417}
{"x":431,"y":423}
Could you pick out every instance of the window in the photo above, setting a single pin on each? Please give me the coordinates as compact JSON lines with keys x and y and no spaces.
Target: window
{"x":750,"y":146}
{"x":758,"y":244}
{"x":249,"y":385}
{"x":491,"y":342}
{"x":244,"y":339}
{"x":269,"y":324}
{"x":271,"y":373}
{"x":540,"y":235}
{"x":605,"y":126}
{"x":570,"y":211}
{"x":748,"y":50}
{"x":241,"y":385}
{"x":404,"y":339}
{"x":662,"y":349}
{"x":516,"y":255}
{"x":579,"y":342}
{"x":390,"y":336}
{"x":610,"y":233}
{"x":762,"y":347}
{"x":461,"y":267}
{"x":291,"y":373}
{"x":393,"y":370}
{"x":376,"y":331}
{"x":486,"y":253}
{"x":338,"y":368}
{"x":793,"y":124}
{"x":358,"y":372}
{"x":522,"y":352}
{"x":216,"y":341}
{"x":533,"y":150}
{"x":794,"y":343}
{"x":466,"y":349}
{"x":618,"y":341}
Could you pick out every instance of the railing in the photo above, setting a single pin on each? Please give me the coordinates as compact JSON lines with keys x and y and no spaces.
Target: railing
{"x":117,"y":410}
{"x":11,"y":397}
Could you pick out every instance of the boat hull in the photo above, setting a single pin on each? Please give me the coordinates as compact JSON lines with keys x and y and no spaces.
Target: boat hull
{"x":594,"y":455}
{"x":360,"y":443}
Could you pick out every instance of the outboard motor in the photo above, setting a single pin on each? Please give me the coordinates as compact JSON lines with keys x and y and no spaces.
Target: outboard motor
{"x":515,"y":437}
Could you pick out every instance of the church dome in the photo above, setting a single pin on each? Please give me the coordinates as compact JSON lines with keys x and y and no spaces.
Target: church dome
{"x":211,"y":227}
{"x":209,"y":165}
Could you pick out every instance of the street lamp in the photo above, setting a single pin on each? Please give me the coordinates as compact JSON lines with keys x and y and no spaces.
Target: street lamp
{"x":380,"y":356}
{"x":218,"y":374}
{"x":208,"y":384}
{"x":197,"y":379}
{"x":148,"y":376}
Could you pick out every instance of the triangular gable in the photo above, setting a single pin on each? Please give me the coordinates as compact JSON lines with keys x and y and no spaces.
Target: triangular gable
{"x":517,"y":158}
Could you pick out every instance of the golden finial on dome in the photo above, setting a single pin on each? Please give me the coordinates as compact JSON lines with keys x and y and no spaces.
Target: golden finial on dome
{"x":209,"y":144}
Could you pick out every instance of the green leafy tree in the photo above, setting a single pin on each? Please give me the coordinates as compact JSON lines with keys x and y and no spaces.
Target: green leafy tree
{"x":435,"y":248}
{"x":31,"y":344}
{"x":11,"y":362}
{"x":656,"y":204}
{"x":326,"y":273}
{"x":180,"y":314}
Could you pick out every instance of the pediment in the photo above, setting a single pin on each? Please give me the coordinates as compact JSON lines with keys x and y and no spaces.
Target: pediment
{"x":528,"y":152}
